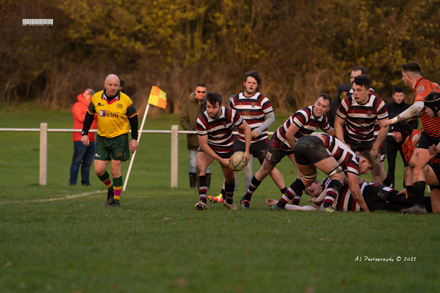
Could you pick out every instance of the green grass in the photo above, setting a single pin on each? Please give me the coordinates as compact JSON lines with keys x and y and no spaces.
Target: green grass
{"x":157,"y":242}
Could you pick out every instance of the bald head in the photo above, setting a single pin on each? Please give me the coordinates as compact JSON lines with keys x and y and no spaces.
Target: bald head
{"x":111,"y":85}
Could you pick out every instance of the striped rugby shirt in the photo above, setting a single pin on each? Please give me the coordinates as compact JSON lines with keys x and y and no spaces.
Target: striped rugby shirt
{"x":346,"y":158}
{"x":360,"y":119}
{"x":253,"y":110}
{"x":306,"y":122}
{"x":219,"y":130}
{"x":422,"y":88}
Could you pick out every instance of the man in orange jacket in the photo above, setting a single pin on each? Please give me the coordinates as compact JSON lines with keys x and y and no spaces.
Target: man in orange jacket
{"x":82,"y":154}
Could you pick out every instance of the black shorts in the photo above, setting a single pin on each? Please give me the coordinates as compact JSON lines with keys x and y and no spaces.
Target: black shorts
{"x":221,"y":155}
{"x":274,"y":154}
{"x":358,"y":145}
{"x":376,"y":198}
{"x":309,"y":150}
{"x":426,"y":141}
{"x":257,"y":149}
{"x":436,"y":169}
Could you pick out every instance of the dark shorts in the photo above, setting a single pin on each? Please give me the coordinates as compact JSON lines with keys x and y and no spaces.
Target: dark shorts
{"x":436,"y":169}
{"x":310,"y":150}
{"x":115,"y":148}
{"x":426,"y":141}
{"x":221,"y":155}
{"x":274,"y":154}
{"x":357,"y":145}
{"x":376,"y":199}
{"x":257,"y":149}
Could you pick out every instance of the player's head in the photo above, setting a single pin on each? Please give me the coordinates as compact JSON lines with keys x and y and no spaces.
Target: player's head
{"x":322,"y":105}
{"x":200,"y":91}
{"x":252,"y":81}
{"x":343,"y":90}
{"x":111,"y":85}
{"x":367,"y":162}
{"x":410,"y":73}
{"x":361,"y":89}
{"x":398,"y":95}
{"x":213,"y":104}
{"x":315,"y":189}
{"x":432,"y":104}
{"x":401,"y":131}
{"x":358,"y":70}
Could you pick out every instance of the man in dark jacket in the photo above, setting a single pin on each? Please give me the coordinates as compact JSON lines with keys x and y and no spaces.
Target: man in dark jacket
{"x":395,"y":108}
{"x":331,"y":114}
{"x":191,"y":111}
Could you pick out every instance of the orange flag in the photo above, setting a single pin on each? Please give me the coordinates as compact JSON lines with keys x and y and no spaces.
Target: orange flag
{"x":158,"y":97}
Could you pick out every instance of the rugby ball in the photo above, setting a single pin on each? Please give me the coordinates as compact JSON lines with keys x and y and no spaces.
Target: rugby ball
{"x":236,"y":162}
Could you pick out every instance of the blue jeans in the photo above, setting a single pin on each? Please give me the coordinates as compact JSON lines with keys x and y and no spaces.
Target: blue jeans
{"x":82,"y":155}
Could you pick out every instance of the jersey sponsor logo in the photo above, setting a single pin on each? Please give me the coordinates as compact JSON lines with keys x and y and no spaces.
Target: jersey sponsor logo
{"x":97,"y":156}
{"x":119,"y":106}
{"x":420,"y":88}
{"x":104,"y":113}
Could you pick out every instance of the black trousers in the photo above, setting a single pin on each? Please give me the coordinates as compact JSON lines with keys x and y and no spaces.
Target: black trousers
{"x":392,"y":149}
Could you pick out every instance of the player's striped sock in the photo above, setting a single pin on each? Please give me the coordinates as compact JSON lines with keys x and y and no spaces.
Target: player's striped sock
{"x":334,"y":187}
{"x":252,"y":187}
{"x":117,"y":185}
{"x":203,"y":189}
{"x":229,"y":188}
{"x":105,"y":178}
{"x":293,"y":194}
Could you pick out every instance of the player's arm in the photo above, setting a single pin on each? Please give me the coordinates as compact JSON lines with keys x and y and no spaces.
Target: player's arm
{"x":247,"y":138}
{"x":134,"y":133}
{"x":339,"y":128}
{"x":353,"y":184}
{"x":408,"y":113}
{"x":88,"y":120}
{"x":383,"y":132}
{"x":270,"y":118}
{"x":290,"y":134}
{"x":203,"y":141}
{"x":330,"y":131}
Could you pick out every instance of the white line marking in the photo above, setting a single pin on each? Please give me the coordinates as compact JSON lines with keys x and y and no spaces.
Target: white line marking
{"x":55,"y":199}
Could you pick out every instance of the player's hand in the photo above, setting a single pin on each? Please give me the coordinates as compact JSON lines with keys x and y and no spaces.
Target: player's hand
{"x":247,"y":157}
{"x":386,"y":122}
{"x":375,"y":152}
{"x":254,"y":133}
{"x":133,"y":145}
{"x":415,"y":140}
{"x":85,"y":140}
{"x":433,"y":150}
{"x":313,"y":199}
{"x":403,"y":191}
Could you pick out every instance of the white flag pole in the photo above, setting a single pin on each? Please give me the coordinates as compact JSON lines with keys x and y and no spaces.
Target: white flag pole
{"x":139,"y":138}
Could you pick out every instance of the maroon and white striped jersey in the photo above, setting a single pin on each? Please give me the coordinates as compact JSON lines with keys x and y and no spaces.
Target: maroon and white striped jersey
{"x":219,"y":130}
{"x":346,"y":158}
{"x":305,"y":121}
{"x":253,"y":110}
{"x":360,"y":119}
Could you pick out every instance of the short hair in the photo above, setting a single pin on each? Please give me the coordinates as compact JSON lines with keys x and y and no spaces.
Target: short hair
{"x":201,"y":85}
{"x":398,"y":90}
{"x":362,"y":80}
{"x":370,"y":159}
{"x":213,"y":98}
{"x":411,"y":67}
{"x":255,"y":74}
{"x":325,"y":97}
{"x":363,"y":70}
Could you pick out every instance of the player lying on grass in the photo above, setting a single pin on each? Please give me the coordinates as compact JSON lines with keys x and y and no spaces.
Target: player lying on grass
{"x":378,"y":197}
{"x":214,"y":130}
{"x":328,"y":154}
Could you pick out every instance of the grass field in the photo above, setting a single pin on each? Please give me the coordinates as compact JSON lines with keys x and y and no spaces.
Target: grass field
{"x":60,"y":238}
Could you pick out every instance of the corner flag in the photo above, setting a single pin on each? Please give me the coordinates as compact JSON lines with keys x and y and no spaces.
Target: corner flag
{"x":158,"y":97}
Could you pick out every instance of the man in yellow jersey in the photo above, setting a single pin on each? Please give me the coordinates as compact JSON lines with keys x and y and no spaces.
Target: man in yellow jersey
{"x":115,"y":111}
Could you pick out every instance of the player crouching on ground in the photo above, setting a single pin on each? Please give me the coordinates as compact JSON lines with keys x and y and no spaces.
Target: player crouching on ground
{"x":214,"y":130}
{"x":331,"y":156}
